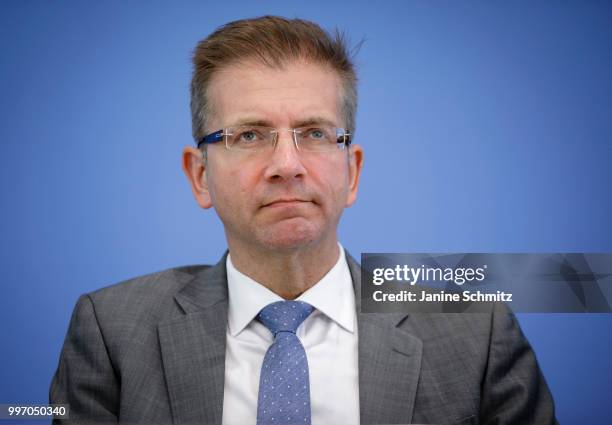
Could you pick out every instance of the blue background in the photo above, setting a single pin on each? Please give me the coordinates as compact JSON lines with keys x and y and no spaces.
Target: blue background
{"x":487,"y":128}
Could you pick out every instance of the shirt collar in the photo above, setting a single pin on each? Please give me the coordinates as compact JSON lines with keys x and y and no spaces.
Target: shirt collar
{"x":333,"y":296}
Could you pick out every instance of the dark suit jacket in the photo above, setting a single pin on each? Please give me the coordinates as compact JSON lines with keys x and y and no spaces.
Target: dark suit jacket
{"x":151,"y":351}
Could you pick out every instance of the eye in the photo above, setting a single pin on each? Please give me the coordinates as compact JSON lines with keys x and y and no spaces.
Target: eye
{"x":316,"y":133}
{"x":248,"y":136}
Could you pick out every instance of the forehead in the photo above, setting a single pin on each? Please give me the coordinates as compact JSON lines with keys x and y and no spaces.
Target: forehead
{"x":249,"y":91}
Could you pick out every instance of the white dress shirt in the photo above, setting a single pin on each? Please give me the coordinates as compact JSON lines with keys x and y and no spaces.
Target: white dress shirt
{"x":329,"y":336}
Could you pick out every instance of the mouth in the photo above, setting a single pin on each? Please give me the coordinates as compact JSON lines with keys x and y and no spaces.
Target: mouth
{"x":285,"y":203}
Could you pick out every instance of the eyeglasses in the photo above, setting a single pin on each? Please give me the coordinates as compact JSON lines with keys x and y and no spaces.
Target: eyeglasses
{"x":315,"y":138}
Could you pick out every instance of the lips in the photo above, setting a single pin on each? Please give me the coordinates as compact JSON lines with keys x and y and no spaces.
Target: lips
{"x":285,"y":202}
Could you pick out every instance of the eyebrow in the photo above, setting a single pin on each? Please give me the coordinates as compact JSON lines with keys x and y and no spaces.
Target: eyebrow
{"x":301,"y":123}
{"x":251,"y":122}
{"x":313,"y":121}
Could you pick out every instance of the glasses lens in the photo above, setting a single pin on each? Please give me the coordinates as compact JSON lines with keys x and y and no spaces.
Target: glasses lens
{"x":249,"y":138}
{"x":320,"y":138}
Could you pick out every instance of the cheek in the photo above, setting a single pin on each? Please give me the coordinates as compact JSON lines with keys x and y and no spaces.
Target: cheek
{"x":242,"y":193}
{"x":231,"y":188}
{"x":333,"y":179}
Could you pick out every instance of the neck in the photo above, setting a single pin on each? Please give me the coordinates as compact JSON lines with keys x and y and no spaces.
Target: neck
{"x":287,"y":272}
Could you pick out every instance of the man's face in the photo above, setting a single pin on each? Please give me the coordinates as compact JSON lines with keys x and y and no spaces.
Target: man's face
{"x":288,"y":198}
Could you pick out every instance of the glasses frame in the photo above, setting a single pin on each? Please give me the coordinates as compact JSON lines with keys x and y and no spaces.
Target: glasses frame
{"x":219,"y":136}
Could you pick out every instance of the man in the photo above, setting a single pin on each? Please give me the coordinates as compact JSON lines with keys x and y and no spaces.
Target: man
{"x":273,"y":333}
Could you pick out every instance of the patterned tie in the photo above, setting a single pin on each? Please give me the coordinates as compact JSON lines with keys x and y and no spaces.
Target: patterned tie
{"x":284,"y":387}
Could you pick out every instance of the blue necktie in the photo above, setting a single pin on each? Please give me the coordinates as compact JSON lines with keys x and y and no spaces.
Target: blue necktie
{"x":284,"y":387}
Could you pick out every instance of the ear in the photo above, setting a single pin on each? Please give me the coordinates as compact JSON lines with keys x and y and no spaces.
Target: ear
{"x":355,"y":163}
{"x":194,"y":167}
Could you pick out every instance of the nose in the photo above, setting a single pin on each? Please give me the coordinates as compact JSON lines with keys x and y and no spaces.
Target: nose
{"x":285,"y":162}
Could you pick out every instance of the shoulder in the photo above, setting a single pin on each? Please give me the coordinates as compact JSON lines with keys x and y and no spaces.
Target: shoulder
{"x":149,"y":287}
{"x":468,"y":335}
{"x":126,"y":315}
{"x":143,"y":299}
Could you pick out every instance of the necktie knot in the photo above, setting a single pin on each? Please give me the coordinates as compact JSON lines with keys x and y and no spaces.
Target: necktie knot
{"x":284,"y":316}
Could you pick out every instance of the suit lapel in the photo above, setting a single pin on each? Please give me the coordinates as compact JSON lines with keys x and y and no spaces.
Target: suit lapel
{"x":389,"y":363}
{"x":193,"y":349}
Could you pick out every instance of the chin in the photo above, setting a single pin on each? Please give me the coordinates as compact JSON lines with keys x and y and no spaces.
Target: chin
{"x":290,"y":234}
